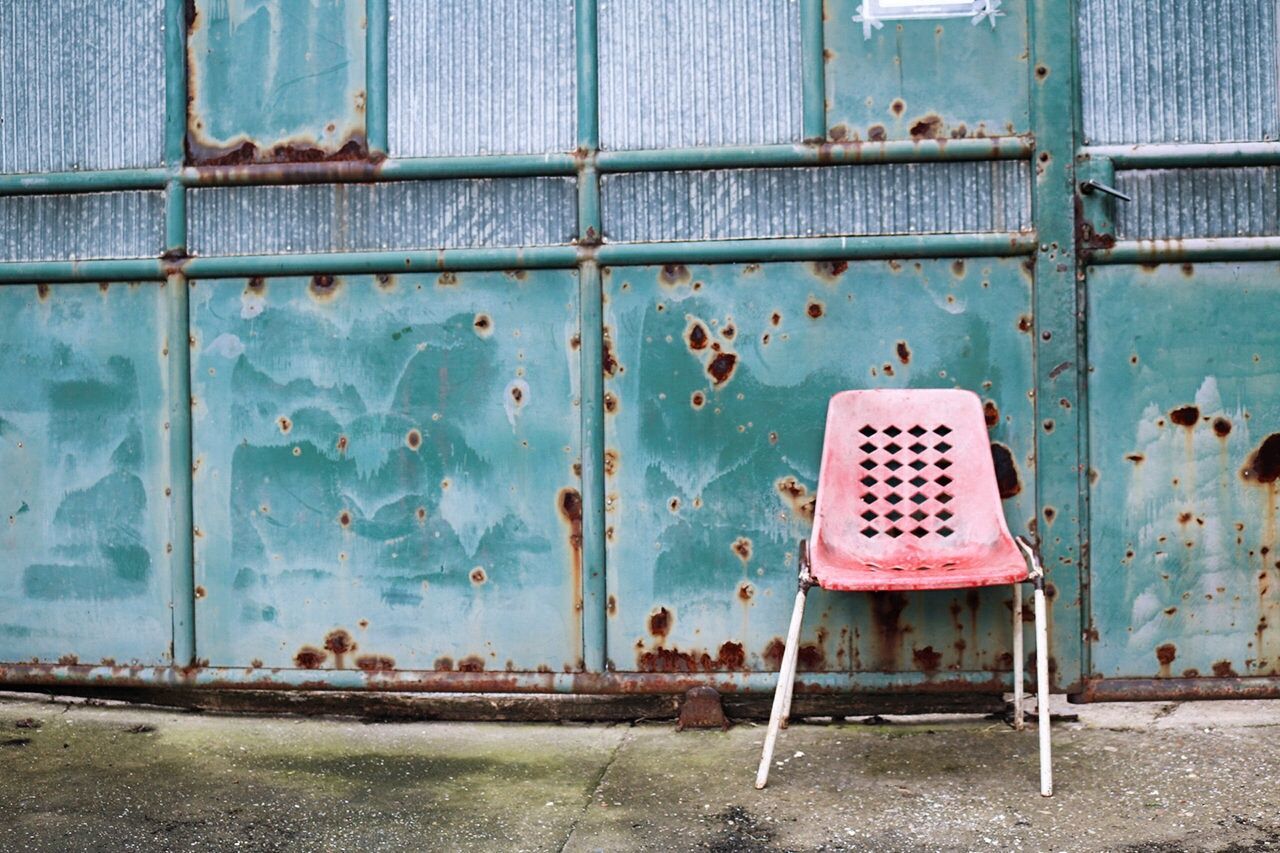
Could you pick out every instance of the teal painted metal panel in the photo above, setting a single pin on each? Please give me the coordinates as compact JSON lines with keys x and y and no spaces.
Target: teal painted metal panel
{"x":716,"y":385}
{"x":926,"y":79}
{"x":386,"y":471}
{"x":1184,"y":421}
{"x":276,"y":80}
{"x":84,"y":461}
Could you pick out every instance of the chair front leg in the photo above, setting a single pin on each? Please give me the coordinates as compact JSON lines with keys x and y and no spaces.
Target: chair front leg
{"x":1017,"y":657}
{"x":786,"y":675}
{"x":1042,"y":690}
{"x":791,"y":682}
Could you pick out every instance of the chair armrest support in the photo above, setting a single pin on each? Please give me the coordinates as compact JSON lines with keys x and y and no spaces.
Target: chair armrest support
{"x":805,"y":579}
{"x":1036,"y":570}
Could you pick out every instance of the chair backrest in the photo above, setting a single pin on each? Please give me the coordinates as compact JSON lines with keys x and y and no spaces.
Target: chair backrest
{"x":907,"y":480}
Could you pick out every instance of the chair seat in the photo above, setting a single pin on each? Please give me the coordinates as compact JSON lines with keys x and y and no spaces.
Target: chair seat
{"x":991,"y":566}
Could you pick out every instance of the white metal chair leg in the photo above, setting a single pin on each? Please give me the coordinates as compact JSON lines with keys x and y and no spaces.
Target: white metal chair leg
{"x":1018,"y":723}
{"x":1042,"y":691}
{"x":786,"y":677}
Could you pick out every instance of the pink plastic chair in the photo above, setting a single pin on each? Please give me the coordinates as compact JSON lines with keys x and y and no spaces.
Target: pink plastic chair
{"x":907,"y":500}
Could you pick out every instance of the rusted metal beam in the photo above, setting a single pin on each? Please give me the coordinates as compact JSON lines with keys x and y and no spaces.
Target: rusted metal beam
{"x":1189,"y":249}
{"x":454,"y":681}
{"x":1177,"y":155}
{"x":1175,"y":689}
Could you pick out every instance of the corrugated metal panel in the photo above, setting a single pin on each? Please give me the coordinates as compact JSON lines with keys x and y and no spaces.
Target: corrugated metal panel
{"x":1161,"y":71}
{"x":369,"y":217}
{"x":481,"y":77}
{"x":81,"y":85}
{"x":923,"y":198}
{"x":678,"y":73}
{"x":1170,"y":203}
{"x":94,"y":225}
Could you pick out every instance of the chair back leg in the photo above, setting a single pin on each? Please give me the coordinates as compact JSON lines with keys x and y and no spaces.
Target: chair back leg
{"x":1017,"y":657}
{"x":1042,"y":691}
{"x":786,"y":677}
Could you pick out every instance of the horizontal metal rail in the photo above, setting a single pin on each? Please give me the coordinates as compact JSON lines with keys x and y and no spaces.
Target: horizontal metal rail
{"x":820,"y":248}
{"x":1188,"y":249}
{"x":525,"y":165}
{"x":1173,"y":155}
{"x":435,"y":681}
{"x":1002,"y":244}
{"x":825,"y":154}
{"x":1176,"y":689}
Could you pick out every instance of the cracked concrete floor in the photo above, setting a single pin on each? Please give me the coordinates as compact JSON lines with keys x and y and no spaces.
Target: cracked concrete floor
{"x":1157,"y":777}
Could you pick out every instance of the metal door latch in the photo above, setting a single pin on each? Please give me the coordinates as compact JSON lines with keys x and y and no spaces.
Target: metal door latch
{"x":1090,"y":186}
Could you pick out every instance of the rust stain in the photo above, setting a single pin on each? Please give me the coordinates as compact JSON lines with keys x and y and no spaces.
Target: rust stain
{"x":344,"y":518}
{"x":927,"y":127}
{"x":375,"y":663}
{"x":201,"y":592}
{"x":898,"y":107}
{"x":613,"y":605}
{"x":1185,"y":416}
{"x":697,"y":399}
{"x":341,"y":446}
{"x":829,"y":271}
{"x":990,"y":413}
{"x":1223,"y":669}
{"x":904,"y":352}
{"x":697,"y":335}
{"x":1264,"y":464}
{"x":324,"y":287}
{"x":814,"y":309}
{"x":246,"y":152}
{"x":443,"y":664}
{"x":742,"y":547}
{"x":413,"y":438}
{"x":957,"y":268}
{"x":674,"y":274}
{"x":887,"y":628}
{"x":569,"y":504}
{"x":471,"y":663}
{"x":1221,"y":427}
{"x":876,"y":133}
{"x":309,"y":657}
{"x":478,"y":576}
{"x":927,"y":659}
{"x":284,"y":423}
{"x":660,"y":622}
{"x":797,"y":497}
{"x":721,"y":367}
{"x":746,"y":591}
{"x":340,"y":643}
{"x":607,"y":359}
{"x":1007,"y":479}
{"x":1165,"y":654}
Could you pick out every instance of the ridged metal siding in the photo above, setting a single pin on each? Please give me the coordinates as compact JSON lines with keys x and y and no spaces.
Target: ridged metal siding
{"x":481,"y":77}
{"x":679,"y":73}
{"x":1175,"y":71}
{"x":925,"y":198}
{"x":1171,"y":203}
{"x":81,"y":85}
{"x":370,"y":217}
{"x":96,"y":225}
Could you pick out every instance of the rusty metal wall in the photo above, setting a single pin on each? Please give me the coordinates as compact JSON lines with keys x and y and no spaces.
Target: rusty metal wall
{"x":386,"y":472}
{"x":84,"y":463}
{"x":717,"y":378}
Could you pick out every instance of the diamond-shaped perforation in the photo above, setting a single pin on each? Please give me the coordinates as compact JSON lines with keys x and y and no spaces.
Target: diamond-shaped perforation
{"x":905,"y":484}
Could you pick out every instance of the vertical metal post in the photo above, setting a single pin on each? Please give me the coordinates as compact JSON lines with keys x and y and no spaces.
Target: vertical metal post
{"x":375,"y":83}
{"x":591,"y":333}
{"x":591,"y":405}
{"x":813,"y":70}
{"x":585,"y":21}
{"x":177,"y":346}
{"x":1060,"y":459}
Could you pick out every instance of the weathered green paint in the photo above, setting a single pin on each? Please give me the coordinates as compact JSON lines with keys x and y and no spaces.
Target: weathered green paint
{"x":922,"y":79}
{"x":1182,"y":390}
{"x":394,"y":458}
{"x":84,"y":451}
{"x":1060,"y":440}
{"x":716,"y":385}
{"x":276,"y":73}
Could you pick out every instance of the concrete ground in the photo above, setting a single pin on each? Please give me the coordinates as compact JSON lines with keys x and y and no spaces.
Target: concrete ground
{"x":1156,"y":778}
